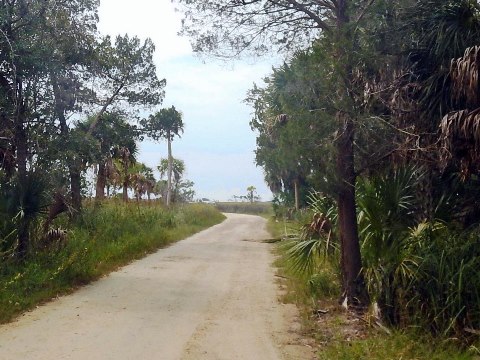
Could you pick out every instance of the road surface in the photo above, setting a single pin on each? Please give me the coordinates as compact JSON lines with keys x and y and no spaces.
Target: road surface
{"x":211,"y":296}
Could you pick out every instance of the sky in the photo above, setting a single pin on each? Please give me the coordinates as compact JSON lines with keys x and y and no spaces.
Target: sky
{"x":218,"y":144}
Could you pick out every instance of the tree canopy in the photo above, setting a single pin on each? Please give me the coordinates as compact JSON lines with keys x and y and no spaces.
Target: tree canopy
{"x":56,"y":70}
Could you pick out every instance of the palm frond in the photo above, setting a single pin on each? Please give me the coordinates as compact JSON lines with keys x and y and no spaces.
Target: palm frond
{"x":460,"y":139}
{"x":464,"y":72}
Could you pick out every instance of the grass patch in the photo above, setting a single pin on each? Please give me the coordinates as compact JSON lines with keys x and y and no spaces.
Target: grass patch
{"x":103,"y":239}
{"x":399,"y":345}
{"x":256,"y":208}
{"x":340,"y":335}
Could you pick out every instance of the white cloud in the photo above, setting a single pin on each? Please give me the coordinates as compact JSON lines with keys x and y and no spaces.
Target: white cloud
{"x":155,"y":19}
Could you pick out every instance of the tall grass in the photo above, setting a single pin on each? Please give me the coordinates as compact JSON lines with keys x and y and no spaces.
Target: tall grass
{"x":444,"y":296}
{"x":104,"y":238}
{"x":417,"y":271}
{"x":256,"y":208}
{"x":396,"y":346}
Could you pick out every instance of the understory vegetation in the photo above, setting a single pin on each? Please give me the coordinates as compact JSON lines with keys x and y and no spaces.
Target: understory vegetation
{"x":311,"y":275}
{"x":419,"y":273}
{"x":103,"y":238}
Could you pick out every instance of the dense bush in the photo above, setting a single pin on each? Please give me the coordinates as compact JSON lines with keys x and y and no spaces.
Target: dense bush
{"x":445,"y":291}
{"x":420,"y":273}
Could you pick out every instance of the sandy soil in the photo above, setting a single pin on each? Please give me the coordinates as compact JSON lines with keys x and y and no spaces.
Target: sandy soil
{"x":212,"y":296}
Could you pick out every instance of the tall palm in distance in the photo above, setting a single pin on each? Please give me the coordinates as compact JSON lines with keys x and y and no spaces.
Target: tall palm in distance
{"x":176,"y":173}
{"x":165,"y":124}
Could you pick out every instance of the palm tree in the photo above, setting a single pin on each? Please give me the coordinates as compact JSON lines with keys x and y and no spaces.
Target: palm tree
{"x":142,"y":180}
{"x":251,"y":190}
{"x":443,"y":93}
{"x":125,"y":157}
{"x":165,"y":124}
{"x":460,"y":128}
{"x":112,"y":134}
{"x":172,"y":168}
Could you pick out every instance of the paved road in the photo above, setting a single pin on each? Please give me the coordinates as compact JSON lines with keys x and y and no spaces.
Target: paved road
{"x":212,"y":296}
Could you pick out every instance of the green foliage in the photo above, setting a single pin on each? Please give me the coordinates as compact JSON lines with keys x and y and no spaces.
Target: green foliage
{"x":251,"y":191}
{"x":322,"y":282}
{"x":319,"y":290}
{"x":393,"y":347}
{"x":55,"y":66}
{"x":104,"y":238}
{"x":178,"y":168}
{"x":164,"y":124}
{"x":386,"y":213}
{"x":416,"y":271}
{"x":295,"y":123}
{"x":316,"y":240}
{"x":127,"y":70}
{"x":21,"y":205}
{"x":182,"y":189}
{"x":444,"y":293}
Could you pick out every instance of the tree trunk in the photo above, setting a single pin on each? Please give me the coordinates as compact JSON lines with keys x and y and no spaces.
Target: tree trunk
{"x":22,"y":150}
{"x":101,"y":182}
{"x":76,"y":186}
{"x":297,"y":195}
{"x":74,"y":165}
{"x":102,"y":111}
{"x":22,"y":154}
{"x":353,"y":284}
{"x":125,"y":191}
{"x":21,"y":146}
{"x":354,"y":290}
{"x":169,"y":170}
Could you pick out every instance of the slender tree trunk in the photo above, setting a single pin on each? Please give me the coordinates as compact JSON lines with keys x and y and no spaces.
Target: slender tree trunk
{"x":74,"y":165}
{"x":353,"y":284}
{"x":297,"y":196}
{"x":22,"y":151}
{"x":126,"y":163}
{"x":102,"y":111}
{"x":169,"y":170}
{"x":101,"y":182}
{"x":22,"y":154}
{"x":76,"y":186}
{"x":125,"y":191}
